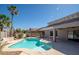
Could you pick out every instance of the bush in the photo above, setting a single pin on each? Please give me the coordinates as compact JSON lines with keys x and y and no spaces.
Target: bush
{"x":18,"y":35}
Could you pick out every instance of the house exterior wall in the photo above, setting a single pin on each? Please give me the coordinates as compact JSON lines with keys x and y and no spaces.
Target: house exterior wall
{"x":64,"y":26}
{"x":63,"y":33}
{"x":47,"y":33}
{"x":63,"y":29}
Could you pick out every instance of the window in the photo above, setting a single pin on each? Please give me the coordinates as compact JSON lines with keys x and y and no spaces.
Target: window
{"x":70,"y":35}
{"x":76,"y":34}
{"x":73,"y":34}
{"x":51,"y":33}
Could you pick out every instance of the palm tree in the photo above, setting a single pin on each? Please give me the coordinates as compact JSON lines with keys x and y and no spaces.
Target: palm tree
{"x":4,"y":21}
{"x":13,"y":11}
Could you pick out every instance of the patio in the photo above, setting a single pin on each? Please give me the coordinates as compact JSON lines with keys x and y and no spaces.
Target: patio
{"x":67,"y":47}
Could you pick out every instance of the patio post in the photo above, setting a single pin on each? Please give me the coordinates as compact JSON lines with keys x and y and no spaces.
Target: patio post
{"x":54,"y":35}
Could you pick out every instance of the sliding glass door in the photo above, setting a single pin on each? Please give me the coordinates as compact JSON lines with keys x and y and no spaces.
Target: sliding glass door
{"x":74,"y":35}
{"x":70,"y":35}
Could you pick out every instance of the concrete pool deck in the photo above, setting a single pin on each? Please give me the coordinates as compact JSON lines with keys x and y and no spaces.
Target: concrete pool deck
{"x":61,"y":47}
{"x":24,"y":51}
{"x":32,"y":52}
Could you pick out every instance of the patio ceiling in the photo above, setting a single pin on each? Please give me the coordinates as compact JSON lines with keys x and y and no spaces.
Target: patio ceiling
{"x":67,"y":25}
{"x":46,"y":28}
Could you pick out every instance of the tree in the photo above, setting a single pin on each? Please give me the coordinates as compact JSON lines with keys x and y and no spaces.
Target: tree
{"x":18,"y":30}
{"x":24,"y":31}
{"x":4,"y":21}
{"x":13,"y":11}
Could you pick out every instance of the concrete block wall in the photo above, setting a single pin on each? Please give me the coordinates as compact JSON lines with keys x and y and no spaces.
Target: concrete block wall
{"x":3,"y":35}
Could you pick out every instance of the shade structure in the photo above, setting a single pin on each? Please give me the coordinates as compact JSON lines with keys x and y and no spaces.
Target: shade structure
{"x":46,"y":28}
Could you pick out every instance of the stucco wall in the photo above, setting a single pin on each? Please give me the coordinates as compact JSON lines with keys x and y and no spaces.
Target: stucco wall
{"x":62,"y":34}
{"x":47,"y":33}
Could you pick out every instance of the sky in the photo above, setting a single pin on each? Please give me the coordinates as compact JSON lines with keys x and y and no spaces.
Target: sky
{"x":38,"y":15}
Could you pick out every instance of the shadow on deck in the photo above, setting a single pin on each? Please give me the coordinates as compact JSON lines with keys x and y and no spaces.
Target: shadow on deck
{"x":66,"y":47}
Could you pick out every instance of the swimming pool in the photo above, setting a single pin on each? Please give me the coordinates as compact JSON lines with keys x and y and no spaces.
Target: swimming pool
{"x":31,"y":43}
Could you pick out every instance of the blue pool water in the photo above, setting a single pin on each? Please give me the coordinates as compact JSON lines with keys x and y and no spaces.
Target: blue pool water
{"x":31,"y":43}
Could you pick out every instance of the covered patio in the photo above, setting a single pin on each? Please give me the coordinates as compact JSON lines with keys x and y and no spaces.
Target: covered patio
{"x":66,"y":47}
